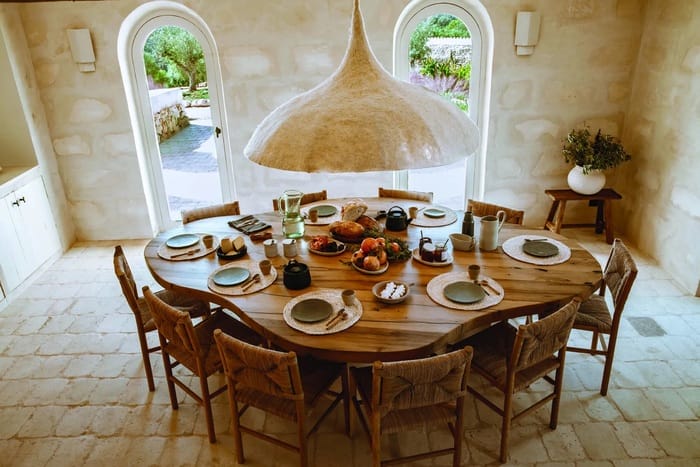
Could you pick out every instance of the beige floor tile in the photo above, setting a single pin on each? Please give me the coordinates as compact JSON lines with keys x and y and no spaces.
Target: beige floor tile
{"x":637,"y":440}
{"x":599,"y":441}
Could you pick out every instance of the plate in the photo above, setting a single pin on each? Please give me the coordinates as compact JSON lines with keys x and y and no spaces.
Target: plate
{"x":182,"y":241}
{"x":381,"y":270}
{"x":434,"y":212}
{"x":341,"y":250}
{"x":325,"y":210}
{"x":233,"y":254}
{"x":437,"y":264}
{"x":540,"y":249}
{"x":464,"y":292}
{"x":311,"y":310}
{"x":231,"y":276}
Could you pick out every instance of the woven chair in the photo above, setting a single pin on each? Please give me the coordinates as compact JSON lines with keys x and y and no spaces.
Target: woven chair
{"x":193,"y":347}
{"x":399,"y":396}
{"x":226,"y":209}
{"x":512,"y":359}
{"x":144,"y":322}
{"x":305,"y":199}
{"x":278,"y":383}
{"x":594,"y":314}
{"x":426,"y":196}
{"x":480,"y":209}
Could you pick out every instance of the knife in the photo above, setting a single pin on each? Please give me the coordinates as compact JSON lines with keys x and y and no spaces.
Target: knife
{"x":186,"y":253}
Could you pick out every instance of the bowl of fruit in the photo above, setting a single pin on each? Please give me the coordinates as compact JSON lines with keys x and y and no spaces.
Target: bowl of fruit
{"x":390,"y":291}
{"x":371,"y":257}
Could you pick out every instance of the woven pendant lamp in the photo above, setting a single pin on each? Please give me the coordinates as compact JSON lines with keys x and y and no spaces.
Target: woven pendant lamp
{"x":362,"y":119}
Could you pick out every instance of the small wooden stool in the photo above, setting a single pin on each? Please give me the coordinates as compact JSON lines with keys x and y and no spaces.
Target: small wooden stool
{"x":603,"y":218}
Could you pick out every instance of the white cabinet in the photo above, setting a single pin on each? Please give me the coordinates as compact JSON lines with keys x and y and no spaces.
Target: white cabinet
{"x":28,"y":235}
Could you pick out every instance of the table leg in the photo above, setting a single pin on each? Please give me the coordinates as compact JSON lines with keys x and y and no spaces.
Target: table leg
{"x":550,"y":216}
{"x":609,"y":232}
{"x":560,"y":216}
{"x":599,"y":215}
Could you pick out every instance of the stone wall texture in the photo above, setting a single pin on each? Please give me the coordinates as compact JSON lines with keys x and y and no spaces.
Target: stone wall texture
{"x":627,"y":66}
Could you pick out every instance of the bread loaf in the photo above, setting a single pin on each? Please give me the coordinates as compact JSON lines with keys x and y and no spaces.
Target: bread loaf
{"x":369,"y":223}
{"x":347,"y":229}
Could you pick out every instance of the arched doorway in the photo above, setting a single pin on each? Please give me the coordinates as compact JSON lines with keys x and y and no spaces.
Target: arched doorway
{"x":470,"y":175}
{"x":135,"y":30}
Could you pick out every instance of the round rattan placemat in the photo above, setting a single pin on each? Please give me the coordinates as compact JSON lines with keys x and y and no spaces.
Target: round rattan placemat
{"x":333,"y":297}
{"x":438,"y":283}
{"x":166,"y":252}
{"x":422,"y":220}
{"x":513,"y":247}
{"x":252,"y":266}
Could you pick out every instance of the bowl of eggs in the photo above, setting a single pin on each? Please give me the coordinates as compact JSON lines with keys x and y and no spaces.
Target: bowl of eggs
{"x":390,"y":291}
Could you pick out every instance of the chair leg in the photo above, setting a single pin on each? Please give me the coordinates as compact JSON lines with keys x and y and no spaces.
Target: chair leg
{"x":347,"y":395}
{"x":607,"y":368}
{"x":146,"y":355}
{"x":376,"y":439}
{"x":302,"y":435}
{"x":206,"y":402}
{"x":558,"y":383}
{"x":458,"y":432}
{"x":236,"y":426}
{"x":169,"y":378}
{"x":505,"y":426}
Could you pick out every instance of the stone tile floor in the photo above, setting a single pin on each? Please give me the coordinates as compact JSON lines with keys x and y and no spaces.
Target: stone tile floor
{"x":73,"y":391}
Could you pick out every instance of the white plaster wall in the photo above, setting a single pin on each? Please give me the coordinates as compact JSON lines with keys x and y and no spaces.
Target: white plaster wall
{"x":582,"y":69}
{"x":661,"y":213}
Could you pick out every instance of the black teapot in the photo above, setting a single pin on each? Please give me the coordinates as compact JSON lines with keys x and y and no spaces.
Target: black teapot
{"x":296,"y":275}
{"x":397,"y":219}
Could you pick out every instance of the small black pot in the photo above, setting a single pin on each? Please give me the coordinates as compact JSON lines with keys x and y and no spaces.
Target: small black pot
{"x":397,"y":219}
{"x":296,"y":275}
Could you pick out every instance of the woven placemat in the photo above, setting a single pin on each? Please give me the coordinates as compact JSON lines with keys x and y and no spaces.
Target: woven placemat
{"x":513,"y":247}
{"x":252,"y":266}
{"x":321,"y":220}
{"x":333,"y":297}
{"x":438,"y":283}
{"x":422,"y":220}
{"x":166,"y":252}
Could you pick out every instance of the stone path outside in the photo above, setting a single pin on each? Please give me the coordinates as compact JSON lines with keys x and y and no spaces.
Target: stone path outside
{"x":190,"y":171}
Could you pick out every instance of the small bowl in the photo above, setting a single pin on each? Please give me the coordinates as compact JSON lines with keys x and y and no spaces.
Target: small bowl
{"x":462,"y":242}
{"x":379,"y":286}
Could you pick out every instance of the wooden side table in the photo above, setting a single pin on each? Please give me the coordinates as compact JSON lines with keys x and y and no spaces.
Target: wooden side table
{"x":603,"y":218}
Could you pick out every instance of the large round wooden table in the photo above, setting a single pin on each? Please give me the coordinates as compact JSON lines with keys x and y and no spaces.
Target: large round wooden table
{"x":414,"y":328}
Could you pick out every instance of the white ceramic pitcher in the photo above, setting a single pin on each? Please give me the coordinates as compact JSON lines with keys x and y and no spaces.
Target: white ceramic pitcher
{"x":490,"y":225}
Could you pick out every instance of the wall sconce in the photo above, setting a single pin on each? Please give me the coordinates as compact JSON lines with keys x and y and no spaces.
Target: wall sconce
{"x":527,"y":30}
{"x":81,"y":48}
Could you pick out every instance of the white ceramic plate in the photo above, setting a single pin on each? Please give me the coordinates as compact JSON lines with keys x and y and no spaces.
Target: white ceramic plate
{"x":381,"y":270}
{"x":434,"y":212}
{"x":341,"y":250}
{"x":447,"y":262}
{"x":182,"y":241}
{"x":231,"y":276}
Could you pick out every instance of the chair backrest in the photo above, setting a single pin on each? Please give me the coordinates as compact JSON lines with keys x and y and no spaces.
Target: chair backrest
{"x":480,"y":209}
{"x":541,"y":339}
{"x":305,"y":199}
{"x":176,"y":328}
{"x":620,"y":273}
{"x":426,"y":196}
{"x":258,"y":369}
{"x":226,"y":209}
{"x":420,"y":383}
{"x":126,"y":279}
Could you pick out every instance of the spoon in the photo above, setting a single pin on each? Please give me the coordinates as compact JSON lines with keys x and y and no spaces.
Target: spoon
{"x":186,"y":253}
{"x":340,"y":317}
{"x":254,"y":280}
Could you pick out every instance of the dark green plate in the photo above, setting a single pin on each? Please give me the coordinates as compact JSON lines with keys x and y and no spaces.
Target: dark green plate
{"x":182,"y":240}
{"x":434,"y":212}
{"x":325,"y":210}
{"x":231,"y":276}
{"x":540,"y":249}
{"x":464,"y":292}
{"x":311,"y":310}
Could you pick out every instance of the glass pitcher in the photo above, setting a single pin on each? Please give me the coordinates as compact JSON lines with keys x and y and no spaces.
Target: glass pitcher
{"x":289,"y":205}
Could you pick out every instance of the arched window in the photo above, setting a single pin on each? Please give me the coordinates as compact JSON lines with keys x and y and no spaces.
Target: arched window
{"x":159,"y":180}
{"x":452,"y":184}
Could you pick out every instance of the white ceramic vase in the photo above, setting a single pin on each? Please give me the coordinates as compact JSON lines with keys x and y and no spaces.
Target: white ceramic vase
{"x":585,"y":184}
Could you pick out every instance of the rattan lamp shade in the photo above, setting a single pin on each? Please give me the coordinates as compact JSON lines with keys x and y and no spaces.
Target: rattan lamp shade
{"x":362,"y":119}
